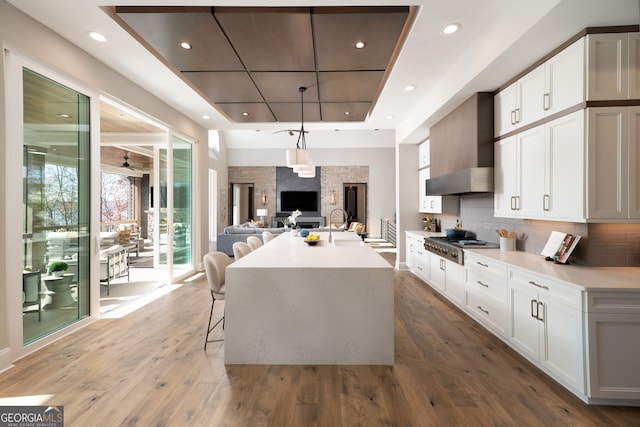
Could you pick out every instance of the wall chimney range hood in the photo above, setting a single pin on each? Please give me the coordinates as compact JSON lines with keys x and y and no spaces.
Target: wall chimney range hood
{"x":461,"y":149}
{"x":465,"y":181}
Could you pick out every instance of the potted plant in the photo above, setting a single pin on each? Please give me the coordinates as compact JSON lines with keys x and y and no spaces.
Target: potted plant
{"x":58,"y":268}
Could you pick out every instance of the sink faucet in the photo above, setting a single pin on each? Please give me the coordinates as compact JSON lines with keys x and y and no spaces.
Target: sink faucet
{"x":345,"y":217}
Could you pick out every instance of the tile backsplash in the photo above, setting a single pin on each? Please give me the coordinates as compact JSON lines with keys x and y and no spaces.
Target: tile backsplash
{"x":600,"y":244}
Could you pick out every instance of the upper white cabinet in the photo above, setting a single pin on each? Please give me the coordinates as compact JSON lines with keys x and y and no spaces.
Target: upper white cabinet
{"x":613,"y":161}
{"x":553,"y":86}
{"x":539,"y":173}
{"x":423,"y":154}
{"x":608,"y":65}
{"x":564,"y":79}
{"x":431,"y":204}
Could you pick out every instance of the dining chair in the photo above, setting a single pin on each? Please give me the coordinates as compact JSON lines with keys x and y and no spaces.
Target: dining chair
{"x":240,"y":249}
{"x":267,"y":236}
{"x":215,"y":264}
{"x":254,"y":242}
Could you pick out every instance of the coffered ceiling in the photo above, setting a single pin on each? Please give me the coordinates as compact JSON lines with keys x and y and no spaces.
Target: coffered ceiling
{"x":249,"y":63}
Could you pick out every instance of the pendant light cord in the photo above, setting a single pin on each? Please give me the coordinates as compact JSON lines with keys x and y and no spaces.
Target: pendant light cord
{"x":301,"y":143}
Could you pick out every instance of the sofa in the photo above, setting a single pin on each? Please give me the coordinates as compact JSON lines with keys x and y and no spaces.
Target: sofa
{"x":239,"y":233}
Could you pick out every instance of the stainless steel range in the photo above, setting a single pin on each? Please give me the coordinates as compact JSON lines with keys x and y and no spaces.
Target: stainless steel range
{"x":453,"y":249}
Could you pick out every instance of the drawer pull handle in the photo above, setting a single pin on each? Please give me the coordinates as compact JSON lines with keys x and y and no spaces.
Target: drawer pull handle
{"x":482,"y":284}
{"x":531,"y":282}
{"x":483,"y":310}
{"x":418,"y":267}
{"x":481,"y":264}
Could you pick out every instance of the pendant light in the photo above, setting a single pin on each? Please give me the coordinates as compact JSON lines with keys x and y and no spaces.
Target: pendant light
{"x":300,"y":156}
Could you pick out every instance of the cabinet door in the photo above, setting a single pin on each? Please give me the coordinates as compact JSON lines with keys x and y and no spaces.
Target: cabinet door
{"x":607,"y":66}
{"x":634,"y":65}
{"x":424,"y":154}
{"x":607,"y":165}
{"x":410,"y":251}
{"x":634,"y":162}
{"x":455,"y":283}
{"x":523,"y":325}
{"x":505,"y":177}
{"x":562,"y":343}
{"x":565,"y":177}
{"x":437,"y":270}
{"x":530,"y":105}
{"x":504,"y":105}
{"x":564,"y":78}
{"x":531,"y":160}
{"x":423,"y":175}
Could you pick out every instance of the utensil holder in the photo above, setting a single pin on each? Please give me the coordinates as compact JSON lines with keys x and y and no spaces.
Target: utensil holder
{"x":507,"y":243}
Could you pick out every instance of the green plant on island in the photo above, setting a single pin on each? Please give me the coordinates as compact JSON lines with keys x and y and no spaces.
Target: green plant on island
{"x":58,"y":266}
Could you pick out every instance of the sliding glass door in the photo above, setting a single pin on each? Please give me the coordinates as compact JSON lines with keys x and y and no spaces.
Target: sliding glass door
{"x":174,"y":233}
{"x":56,"y":206}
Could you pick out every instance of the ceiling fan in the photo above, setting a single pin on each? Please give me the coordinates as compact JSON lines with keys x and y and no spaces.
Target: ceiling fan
{"x":291,"y":132}
{"x":126,"y":164}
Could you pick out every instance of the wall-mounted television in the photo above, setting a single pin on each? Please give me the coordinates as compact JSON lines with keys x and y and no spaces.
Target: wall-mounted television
{"x":305,"y":201}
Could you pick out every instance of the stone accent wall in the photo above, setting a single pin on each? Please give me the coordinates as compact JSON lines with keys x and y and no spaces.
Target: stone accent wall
{"x":332,"y":179}
{"x":263,"y":179}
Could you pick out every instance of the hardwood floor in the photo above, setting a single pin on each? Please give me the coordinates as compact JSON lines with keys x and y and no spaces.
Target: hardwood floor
{"x":149,"y":369}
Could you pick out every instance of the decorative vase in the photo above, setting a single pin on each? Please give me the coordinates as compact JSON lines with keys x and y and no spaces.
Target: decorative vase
{"x":294,"y":232}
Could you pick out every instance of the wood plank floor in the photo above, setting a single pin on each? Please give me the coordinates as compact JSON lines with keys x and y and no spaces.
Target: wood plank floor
{"x":149,"y":369}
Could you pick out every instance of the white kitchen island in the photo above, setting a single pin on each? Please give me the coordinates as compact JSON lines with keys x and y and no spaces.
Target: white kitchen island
{"x":290,"y":303}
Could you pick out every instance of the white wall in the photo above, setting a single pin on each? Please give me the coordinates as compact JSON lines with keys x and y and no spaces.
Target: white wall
{"x":382,"y":175}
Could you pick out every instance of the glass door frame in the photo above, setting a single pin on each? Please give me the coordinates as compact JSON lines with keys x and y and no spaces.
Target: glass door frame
{"x":14,"y":65}
{"x":166,"y":167}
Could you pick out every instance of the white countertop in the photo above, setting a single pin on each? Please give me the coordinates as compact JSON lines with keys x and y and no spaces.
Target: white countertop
{"x":287,"y":251}
{"x":589,"y":278}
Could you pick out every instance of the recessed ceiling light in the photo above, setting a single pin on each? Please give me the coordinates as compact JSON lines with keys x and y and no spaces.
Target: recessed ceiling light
{"x":64,"y":116}
{"x":360,"y":44}
{"x":97,"y":36}
{"x":388,"y":117}
{"x":185,"y":45}
{"x":245,"y":113}
{"x":410,"y":88}
{"x":451,"y":28}
{"x":347,"y":113}
{"x":206,"y":117}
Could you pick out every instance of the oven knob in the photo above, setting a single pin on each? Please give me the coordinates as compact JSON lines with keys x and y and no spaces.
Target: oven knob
{"x":454,"y":255}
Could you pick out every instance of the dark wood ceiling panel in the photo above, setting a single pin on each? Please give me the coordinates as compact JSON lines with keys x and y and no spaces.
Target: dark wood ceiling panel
{"x":270,"y":39}
{"x":335,"y":112}
{"x":337,"y":30}
{"x":291,"y":112}
{"x":349,"y":86}
{"x":224,"y":87}
{"x":256,"y":112}
{"x":283,"y":86}
{"x":254,"y":59}
{"x":210,"y":51}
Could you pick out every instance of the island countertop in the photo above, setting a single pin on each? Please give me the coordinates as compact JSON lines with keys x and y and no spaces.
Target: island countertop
{"x":290,"y":303}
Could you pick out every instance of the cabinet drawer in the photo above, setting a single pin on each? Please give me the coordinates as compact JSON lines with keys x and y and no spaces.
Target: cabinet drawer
{"x":547,"y":288}
{"x":477,"y":263}
{"x":488,"y":283}
{"x":613,"y":302}
{"x":487,"y":310}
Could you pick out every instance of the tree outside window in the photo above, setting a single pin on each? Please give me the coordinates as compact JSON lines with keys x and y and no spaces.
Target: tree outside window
{"x":115,"y":198}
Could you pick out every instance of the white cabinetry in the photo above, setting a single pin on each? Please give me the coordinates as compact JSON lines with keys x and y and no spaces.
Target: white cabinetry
{"x":410,"y":250}
{"x":539,"y":172}
{"x":431,"y":204}
{"x":551,"y":87}
{"x":613,"y":161}
{"x":487,"y":292}
{"x":448,"y":278}
{"x":546,"y":325}
{"x":613,"y":320}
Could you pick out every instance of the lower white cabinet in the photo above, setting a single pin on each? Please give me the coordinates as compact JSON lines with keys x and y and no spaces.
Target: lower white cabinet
{"x":486,"y":286}
{"x":448,"y":278}
{"x":410,"y":250}
{"x":546,"y":325}
{"x":422,"y":262}
{"x":613,"y":322}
